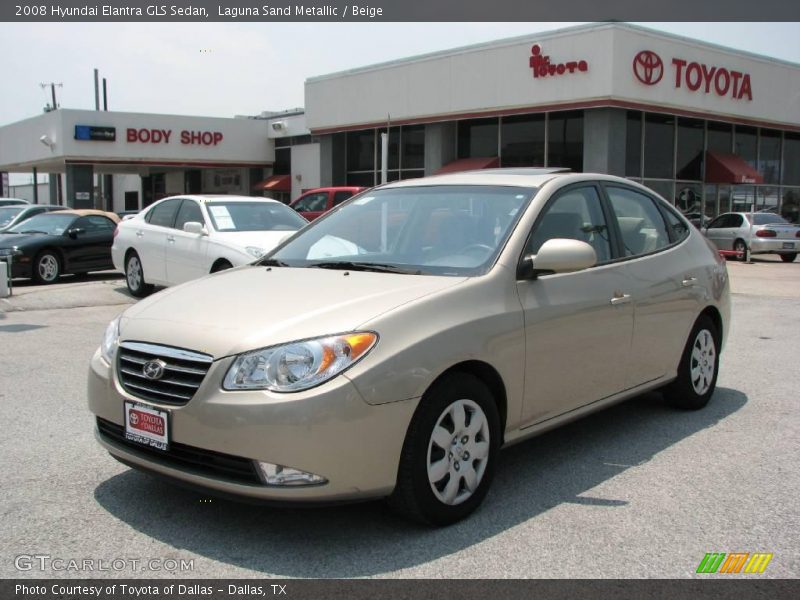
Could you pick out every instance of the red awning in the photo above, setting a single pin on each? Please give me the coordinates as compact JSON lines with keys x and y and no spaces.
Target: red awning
{"x":469,"y":164}
{"x":729,"y":168}
{"x":276,"y":183}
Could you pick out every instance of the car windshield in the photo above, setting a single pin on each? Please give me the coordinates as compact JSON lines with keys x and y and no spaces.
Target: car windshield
{"x":253,"y":216}
{"x":441,"y":230}
{"x":767,"y":218}
{"x":7,"y":214}
{"x":52,"y":224}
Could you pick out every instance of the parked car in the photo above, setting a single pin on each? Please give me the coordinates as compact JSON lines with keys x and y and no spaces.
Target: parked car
{"x":185,"y":237}
{"x":771,"y":234}
{"x":393,"y":346}
{"x":14,"y":214}
{"x":316,"y":202}
{"x":49,"y":245}
{"x":697,"y":219}
{"x":12,"y":201}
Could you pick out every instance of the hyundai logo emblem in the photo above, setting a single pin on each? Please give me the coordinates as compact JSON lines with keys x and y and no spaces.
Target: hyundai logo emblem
{"x":154,"y":369}
{"x":648,"y":67}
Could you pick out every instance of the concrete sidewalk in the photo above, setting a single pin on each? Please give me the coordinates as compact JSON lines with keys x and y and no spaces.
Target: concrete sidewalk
{"x":106,"y":288}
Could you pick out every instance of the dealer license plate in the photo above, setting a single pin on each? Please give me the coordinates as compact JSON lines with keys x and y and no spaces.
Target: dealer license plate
{"x":788,"y":245}
{"x":146,"y":425}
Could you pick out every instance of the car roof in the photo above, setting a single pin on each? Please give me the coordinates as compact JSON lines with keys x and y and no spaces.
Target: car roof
{"x":85,"y":212}
{"x":532,"y":177}
{"x":225,"y":197}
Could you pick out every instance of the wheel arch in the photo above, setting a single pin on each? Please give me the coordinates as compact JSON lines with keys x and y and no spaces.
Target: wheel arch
{"x":489,"y":376}
{"x":716,"y":317}
{"x":60,"y":255}
{"x":221,"y":260}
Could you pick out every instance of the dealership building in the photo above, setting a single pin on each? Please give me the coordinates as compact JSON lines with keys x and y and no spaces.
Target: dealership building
{"x":710,"y":128}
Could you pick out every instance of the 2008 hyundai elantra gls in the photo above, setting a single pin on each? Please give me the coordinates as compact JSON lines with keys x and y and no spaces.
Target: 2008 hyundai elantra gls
{"x":394,"y":346}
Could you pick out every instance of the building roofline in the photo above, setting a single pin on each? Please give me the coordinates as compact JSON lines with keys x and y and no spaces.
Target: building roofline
{"x":555,"y":33}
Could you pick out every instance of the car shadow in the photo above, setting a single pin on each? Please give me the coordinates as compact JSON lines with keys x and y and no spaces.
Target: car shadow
{"x":360,"y":540}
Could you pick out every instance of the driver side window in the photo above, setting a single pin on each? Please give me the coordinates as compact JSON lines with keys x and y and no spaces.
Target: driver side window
{"x":575,"y":214}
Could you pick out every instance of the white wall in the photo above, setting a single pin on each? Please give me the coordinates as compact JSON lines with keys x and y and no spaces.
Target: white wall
{"x":306,"y":166}
{"x":126,"y":183}
{"x":498,"y":77}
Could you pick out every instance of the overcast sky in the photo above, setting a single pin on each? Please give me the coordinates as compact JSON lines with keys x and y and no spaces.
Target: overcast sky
{"x":222,"y":69}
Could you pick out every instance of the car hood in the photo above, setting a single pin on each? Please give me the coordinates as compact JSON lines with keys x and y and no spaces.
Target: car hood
{"x":7,"y":240}
{"x":254,"y":307}
{"x":266,"y":240}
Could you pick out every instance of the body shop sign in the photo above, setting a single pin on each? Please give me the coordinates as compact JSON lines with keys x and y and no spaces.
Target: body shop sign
{"x":164,"y":136}
{"x":694,"y":76}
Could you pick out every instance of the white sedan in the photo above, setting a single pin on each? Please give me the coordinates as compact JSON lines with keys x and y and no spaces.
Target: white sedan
{"x":181,"y":238}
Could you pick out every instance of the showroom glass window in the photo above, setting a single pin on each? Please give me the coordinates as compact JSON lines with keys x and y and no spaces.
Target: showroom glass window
{"x":769,"y":155}
{"x":361,"y":150}
{"x":477,"y":138}
{"x":412,"y":153}
{"x":659,"y":146}
{"x":565,"y":140}
{"x":689,"y":159}
{"x":633,"y":144}
{"x":746,"y":144}
{"x":522,"y":141}
{"x":720,"y":137}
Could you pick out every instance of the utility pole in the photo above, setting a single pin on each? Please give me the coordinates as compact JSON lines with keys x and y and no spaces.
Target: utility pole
{"x":53,"y":92}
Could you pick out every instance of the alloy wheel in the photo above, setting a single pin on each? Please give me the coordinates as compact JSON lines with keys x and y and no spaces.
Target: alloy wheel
{"x":704,"y":354}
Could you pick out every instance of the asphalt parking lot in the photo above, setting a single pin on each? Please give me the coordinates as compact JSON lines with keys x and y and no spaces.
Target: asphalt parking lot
{"x":640,"y":490}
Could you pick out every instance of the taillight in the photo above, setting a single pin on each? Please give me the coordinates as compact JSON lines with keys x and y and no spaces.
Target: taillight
{"x":766,"y":233}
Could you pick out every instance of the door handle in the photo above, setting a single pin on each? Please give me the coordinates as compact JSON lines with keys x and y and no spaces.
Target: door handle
{"x":139,"y":234}
{"x":620,"y":299}
{"x":689,"y":281}
{"x":170,"y":239}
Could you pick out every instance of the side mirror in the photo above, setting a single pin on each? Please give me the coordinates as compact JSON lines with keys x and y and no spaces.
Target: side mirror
{"x":558,"y":256}
{"x":74,"y":233}
{"x":195,"y":227}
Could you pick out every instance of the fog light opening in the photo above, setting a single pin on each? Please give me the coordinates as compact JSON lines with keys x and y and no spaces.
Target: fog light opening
{"x":280,"y":475}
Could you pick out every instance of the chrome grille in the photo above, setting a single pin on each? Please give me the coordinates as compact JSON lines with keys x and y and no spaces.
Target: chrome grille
{"x":183,"y":372}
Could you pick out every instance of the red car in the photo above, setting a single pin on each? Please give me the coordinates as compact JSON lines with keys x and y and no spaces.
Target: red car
{"x":313,"y":203}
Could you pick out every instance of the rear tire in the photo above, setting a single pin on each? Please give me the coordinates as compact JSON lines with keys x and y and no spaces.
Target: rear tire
{"x":134,"y":276}
{"x":698,"y":369}
{"x":740,"y":246}
{"x":450,"y":451}
{"x":787,"y":258}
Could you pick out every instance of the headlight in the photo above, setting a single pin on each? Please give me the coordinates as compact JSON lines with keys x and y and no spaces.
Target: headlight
{"x":298,"y":365}
{"x":13,"y":251}
{"x":255,"y":251}
{"x":110,"y":341}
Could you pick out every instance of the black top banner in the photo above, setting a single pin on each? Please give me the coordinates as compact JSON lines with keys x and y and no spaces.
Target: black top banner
{"x":399,"y":11}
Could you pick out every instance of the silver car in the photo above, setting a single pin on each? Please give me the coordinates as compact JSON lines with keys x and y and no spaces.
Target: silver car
{"x":395,"y":345}
{"x":761,"y":232}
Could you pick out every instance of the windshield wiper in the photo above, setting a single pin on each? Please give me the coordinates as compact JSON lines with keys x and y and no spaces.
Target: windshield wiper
{"x":272,"y":262}
{"x":33,"y":231}
{"x":365,"y":266}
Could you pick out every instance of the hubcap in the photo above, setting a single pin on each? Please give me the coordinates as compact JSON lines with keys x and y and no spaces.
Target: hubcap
{"x":703,"y":361}
{"x":48,"y":267}
{"x":458,"y":452}
{"x":134,"y":273}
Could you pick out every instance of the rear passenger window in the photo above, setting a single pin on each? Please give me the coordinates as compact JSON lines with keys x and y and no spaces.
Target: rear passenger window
{"x":163,"y":214}
{"x":678,"y":229}
{"x":642,"y":227}
{"x":340,"y":197}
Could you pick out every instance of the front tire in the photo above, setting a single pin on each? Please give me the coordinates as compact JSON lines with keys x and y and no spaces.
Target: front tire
{"x":46,"y":267}
{"x":450,"y":451}
{"x":134,"y":276}
{"x":697,"y":373}
{"x":787,"y":258}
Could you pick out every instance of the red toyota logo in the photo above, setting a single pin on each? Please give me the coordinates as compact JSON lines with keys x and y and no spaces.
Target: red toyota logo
{"x":648,"y":67}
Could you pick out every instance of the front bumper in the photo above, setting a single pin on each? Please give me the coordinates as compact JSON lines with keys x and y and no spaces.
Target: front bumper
{"x":329,"y":430}
{"x":19,"y":270}
{"x":774,"y":245}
